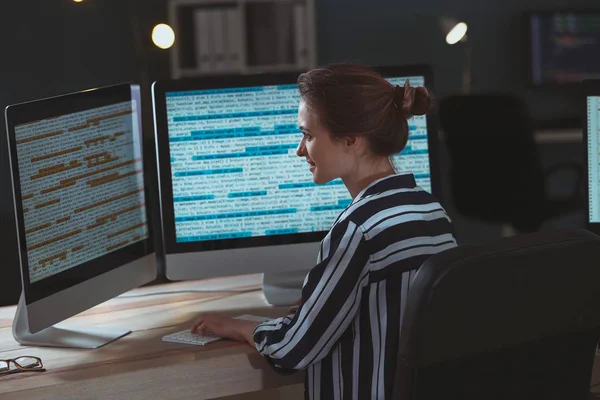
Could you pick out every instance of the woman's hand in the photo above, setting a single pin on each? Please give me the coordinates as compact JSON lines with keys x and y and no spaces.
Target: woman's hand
{"x":226,"y":327}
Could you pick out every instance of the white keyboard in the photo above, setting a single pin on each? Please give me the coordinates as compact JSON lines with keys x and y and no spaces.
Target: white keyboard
{"x":188,"y":337}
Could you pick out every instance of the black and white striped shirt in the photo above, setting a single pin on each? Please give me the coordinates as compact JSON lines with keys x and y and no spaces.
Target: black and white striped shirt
{"x":345,"y":332}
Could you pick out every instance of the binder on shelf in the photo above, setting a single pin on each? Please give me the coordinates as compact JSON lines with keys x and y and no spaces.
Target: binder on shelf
{"x":300,"y":37}
{"x":233,"y":44}
{"x":217,"y":33}
{"x":203,"y":50}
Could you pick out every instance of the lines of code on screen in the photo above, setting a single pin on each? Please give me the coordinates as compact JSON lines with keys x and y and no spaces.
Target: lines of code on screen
{"x":234,"y":168}
{"x":565,"y":47}
{"x":81,"y":186}
{"x":593,"y":162}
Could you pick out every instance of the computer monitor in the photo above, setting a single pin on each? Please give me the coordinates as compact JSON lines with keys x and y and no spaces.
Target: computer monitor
{"x":82,"y":221}
{"x":591,"y":135}
{"x":564,"y":46}
{"x":235,"y":197}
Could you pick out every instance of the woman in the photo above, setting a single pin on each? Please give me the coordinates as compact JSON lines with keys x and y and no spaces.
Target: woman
{"x":346,"y":329}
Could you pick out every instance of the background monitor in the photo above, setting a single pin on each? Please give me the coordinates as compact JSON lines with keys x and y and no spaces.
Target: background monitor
{"x":592,"y":139}
{"x":82,"y":222}
{"x":564,"y":46}
{"x":235,"y":197}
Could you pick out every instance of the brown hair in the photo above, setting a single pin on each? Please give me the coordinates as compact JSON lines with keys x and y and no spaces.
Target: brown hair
{"x":354,"y":100}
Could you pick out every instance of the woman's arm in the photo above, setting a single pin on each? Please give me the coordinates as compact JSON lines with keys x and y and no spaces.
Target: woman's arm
{"x":330,"y":300}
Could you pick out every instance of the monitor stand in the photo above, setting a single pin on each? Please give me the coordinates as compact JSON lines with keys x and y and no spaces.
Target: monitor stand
{"x":81,"y":338}
{"x":283,"y":288}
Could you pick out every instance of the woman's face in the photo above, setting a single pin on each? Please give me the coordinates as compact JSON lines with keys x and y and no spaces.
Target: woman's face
{"x":329,"y":158}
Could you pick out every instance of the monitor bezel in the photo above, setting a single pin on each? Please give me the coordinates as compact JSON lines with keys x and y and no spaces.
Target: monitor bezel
{"x":590,"y":87}
{"x":39,"y":109}
{"x":159,"y":90}
{"x":528,"y":15}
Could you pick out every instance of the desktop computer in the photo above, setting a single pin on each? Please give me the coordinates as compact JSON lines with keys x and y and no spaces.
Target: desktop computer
{"x":591,"y":135}
{"x":77,"y":166}
{"x":234,"y":197}
{"x":563,"y":46}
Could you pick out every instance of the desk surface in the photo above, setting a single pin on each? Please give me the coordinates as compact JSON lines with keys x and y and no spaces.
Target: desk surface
{"x":140,"y":365}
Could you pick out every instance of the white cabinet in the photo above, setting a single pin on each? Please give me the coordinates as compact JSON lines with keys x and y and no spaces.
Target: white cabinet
{"x":241,"y":36}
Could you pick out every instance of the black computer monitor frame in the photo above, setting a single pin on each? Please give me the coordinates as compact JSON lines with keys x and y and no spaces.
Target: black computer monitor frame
{"x":528,"y":56}
{"x":231,"y":81}
{"x":59,"y":105}
{"x":588,"y":88}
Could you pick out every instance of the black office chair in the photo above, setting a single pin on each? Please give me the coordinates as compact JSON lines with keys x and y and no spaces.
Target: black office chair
{"x":495,"y":170}
{"x":515,"y":319}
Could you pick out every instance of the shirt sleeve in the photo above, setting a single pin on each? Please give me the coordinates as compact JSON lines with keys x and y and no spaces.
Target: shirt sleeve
{"x":331,"y":296}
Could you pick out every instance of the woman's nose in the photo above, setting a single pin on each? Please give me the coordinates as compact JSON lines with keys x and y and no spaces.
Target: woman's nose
{"x":300,"y":150}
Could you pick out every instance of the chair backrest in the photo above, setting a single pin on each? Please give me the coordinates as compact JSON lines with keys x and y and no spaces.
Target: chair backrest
{"x":495,"y":169}
{"x":518,"y":318}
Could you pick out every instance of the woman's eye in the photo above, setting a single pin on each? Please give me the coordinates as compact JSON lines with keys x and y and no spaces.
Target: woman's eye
{"x":306,"y":136}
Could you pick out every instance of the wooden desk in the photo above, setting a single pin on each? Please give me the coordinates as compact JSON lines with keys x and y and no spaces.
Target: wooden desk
{"x":140,"y":365}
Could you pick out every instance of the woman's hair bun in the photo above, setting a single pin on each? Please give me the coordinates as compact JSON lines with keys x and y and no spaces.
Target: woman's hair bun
{"x":421,"y":102}
{"x":413,"y":100}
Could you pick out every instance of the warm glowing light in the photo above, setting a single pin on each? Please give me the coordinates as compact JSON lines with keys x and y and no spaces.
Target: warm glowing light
{"x":77,"y":1}
{"x":163,"y":36}
{"x":457,"y":33}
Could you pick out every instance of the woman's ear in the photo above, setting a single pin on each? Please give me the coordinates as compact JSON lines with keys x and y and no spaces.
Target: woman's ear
{"x":357,"y":144}
{"x":350,"y":141}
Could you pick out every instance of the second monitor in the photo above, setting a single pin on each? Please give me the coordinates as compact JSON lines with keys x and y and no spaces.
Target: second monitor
{"x":78,"y":173}
{"x":235,"y":197}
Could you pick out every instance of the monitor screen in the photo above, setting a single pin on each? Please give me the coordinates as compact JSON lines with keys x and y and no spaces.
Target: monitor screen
{"x":79,"y":186}
{"x":593,"y":157}
{"x":234,"y":173}
{"x":82,"y":187}
{"x":565,"y":47}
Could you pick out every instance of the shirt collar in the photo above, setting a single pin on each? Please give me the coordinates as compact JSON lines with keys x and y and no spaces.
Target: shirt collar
{"x":393,"y":181}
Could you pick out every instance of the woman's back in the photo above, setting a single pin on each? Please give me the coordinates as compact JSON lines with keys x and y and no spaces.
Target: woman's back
{"x":347,"y":331}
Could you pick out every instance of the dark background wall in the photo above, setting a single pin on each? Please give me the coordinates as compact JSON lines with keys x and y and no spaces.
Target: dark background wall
{"x":394,"y":32}
{"x":50,"y":47}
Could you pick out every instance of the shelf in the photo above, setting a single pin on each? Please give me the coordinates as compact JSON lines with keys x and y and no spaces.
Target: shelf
{"x":215,"y":37}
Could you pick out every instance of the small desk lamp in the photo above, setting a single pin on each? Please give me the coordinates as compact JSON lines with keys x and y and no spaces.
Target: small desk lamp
{"x":456,"y":32}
